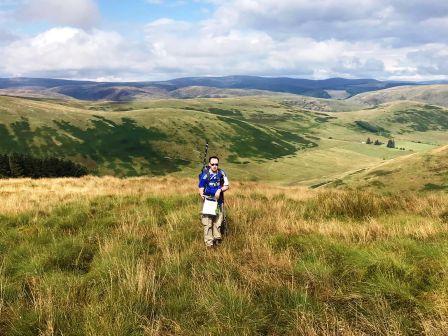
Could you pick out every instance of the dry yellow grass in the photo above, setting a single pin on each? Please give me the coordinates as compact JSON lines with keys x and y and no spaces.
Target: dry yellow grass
{"x":275,"y":202}
{"x":22,"y":195}
{"x":109,"y":256}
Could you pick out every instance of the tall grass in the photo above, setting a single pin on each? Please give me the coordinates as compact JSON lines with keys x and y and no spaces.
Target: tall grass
{"x":105,"y":256}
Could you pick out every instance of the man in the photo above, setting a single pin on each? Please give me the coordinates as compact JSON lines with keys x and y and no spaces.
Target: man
{"x":213,"y":182}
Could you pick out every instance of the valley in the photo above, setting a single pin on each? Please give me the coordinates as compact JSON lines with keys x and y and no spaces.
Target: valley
{"x":284,"y":139}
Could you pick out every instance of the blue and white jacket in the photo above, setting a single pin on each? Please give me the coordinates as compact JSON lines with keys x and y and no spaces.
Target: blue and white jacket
{"x":211,"y":182}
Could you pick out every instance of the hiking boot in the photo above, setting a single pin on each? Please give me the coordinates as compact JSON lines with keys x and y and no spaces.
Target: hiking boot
{"x":217,"y":242}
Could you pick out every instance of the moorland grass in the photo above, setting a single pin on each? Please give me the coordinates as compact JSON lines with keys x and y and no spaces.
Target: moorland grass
{"x":105,"y":256}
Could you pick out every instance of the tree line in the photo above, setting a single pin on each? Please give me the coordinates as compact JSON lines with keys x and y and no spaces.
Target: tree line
{"x":21,"y":165}
{"x":390,"y":143}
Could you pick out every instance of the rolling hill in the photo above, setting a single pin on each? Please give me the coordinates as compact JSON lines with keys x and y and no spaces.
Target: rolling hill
{"x":140,"y":140}
{"x":428,"y":94}
{"x":307,"y":87}
{"x":188,"y":87}
{"x":286,"y":139}
{"x":426,"y":171}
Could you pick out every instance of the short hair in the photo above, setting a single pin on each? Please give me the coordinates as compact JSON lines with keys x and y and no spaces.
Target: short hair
{"x":213,"y":157}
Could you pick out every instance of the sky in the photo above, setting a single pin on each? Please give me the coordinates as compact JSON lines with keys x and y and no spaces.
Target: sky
{"x":136,"y":40}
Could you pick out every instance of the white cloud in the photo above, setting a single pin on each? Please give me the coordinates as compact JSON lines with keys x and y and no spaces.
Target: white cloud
{"x":78,"y":13}
{"x":398,"y":21}
{"x":318,"y":39}
{"x":205,"y":49}
{"x":6,"y":36}
{"x":72,"y":51}
{"x":432,"y":59}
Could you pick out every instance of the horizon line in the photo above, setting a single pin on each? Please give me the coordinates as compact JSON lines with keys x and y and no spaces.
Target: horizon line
{"x":223,"y":76}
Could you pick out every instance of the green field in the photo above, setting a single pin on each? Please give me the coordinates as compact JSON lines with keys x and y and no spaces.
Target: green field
{"x":283,"y":139}
{"x":421,"y":172}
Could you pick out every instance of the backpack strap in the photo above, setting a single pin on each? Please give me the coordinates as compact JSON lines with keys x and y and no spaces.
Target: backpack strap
{"x":221,"y":179}
{"x":209,"y":176}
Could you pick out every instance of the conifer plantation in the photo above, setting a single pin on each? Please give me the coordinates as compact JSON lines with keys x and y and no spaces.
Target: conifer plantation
{"x":20,"y":165}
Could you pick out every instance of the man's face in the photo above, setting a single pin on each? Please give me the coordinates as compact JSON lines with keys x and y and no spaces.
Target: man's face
{"x":214,"y":164}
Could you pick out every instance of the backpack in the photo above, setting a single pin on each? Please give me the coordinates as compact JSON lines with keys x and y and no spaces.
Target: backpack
{"x":206,"y":170}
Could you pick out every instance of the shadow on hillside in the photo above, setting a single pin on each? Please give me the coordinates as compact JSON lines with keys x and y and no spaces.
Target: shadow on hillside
{"x":115,"y":146}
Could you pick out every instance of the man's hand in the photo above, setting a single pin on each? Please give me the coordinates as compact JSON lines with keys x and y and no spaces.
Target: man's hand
{"x":217,"y":194}
{"x":201,"y":193}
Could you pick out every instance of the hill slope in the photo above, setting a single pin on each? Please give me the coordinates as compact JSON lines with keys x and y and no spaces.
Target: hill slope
{"x":429,"y":94}
{"x":140,"y":140}
{"x":280,"y":138}
{"x":427,"y":171}
{"x":307,"y":87}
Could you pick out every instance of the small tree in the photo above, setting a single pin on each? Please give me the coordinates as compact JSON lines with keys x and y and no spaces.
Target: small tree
{"x":391,"y":143}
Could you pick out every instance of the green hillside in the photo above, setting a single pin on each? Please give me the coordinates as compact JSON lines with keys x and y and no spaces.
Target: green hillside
{"x":155,"y":139}
{"x":400,"y":120}
{"x":428,"y":94}
{"x":419,"y":172}
{"x":284,"y":139}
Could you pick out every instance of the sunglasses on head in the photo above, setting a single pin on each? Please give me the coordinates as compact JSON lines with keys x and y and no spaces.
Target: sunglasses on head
{"x":214,"y":164}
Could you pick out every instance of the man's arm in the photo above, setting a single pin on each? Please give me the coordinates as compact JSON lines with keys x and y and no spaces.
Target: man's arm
{"x":201,"y":192}
{"x":201,"y":186}
{"x":224,"y":187}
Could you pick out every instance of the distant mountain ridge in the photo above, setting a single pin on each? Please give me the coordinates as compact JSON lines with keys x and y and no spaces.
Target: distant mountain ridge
{"x":128,"y":91}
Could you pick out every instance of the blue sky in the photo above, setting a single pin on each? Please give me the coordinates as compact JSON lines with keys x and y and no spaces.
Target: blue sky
{"x":130,"y":17}
{"x":161,"y":39}
{"x":141,"y":11}
{"x":116,"y":14}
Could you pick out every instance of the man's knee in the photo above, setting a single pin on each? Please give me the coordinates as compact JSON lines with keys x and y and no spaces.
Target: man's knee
{"x":206,"y":220}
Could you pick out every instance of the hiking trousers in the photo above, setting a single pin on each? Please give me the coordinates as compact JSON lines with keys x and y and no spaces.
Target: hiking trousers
{"x":212,"y":227}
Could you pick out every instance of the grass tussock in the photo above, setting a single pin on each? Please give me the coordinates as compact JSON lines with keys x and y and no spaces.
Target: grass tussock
{"x":105,"y":256}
